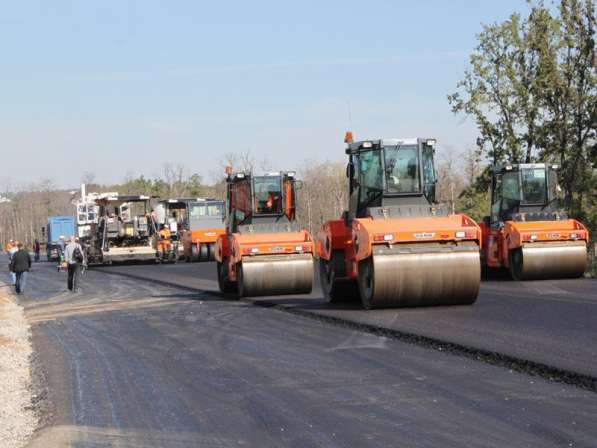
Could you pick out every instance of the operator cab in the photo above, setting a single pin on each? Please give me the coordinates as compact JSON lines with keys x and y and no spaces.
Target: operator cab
{"x":524,"y":192}
{"x":261,"y":203}
{"x":391,"y":177}
{"x":204,"y":214}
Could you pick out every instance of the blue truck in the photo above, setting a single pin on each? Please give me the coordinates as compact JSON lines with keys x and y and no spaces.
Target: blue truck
{"x":58,"y":226}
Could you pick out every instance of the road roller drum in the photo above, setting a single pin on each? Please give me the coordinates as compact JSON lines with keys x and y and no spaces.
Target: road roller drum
{"x":420,"y":275}
{"x":269,"y":275}
{"x":538,"y":261}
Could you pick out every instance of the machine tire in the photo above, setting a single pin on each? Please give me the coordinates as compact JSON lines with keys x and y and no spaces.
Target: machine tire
{"x":240,"y":289}
{"x":211,"y":251}
{"x":516,"y":264}
{"x":224,"y":284}
{"x":203,"y":252}
{"x":336,"y":291}
{"x":194,"y":253}
{"x":366,"y":282}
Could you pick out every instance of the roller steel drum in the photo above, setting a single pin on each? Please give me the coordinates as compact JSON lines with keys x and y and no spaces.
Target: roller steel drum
{"x":538,"y":261}
{"x":420,"y":275}
{"x":268,"y":275}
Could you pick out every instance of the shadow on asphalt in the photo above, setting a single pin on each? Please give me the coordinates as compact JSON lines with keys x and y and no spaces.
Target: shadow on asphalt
{"x":495,"y":274}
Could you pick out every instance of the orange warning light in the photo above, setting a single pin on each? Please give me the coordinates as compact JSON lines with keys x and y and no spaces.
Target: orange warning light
{"x":228,"y":169}
{"x":348,"y":137}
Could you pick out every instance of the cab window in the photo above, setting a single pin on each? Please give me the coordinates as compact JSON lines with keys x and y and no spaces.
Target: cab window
{"x":370,"y":175}
{"x":268,"y":195}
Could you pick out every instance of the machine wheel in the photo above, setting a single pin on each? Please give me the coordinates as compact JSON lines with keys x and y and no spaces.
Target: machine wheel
{"x":516,"y":264}
{"x":203,"y":252}
{"x":366,"y":282}
{"x":224,"y":284}
{"x":336,"y":291}
{"x":211,"y":251}
{"x":194,"y":253}
{"x":240,"y":286}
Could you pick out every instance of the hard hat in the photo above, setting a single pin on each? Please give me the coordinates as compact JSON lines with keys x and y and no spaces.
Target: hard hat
{"x":61,"y":237}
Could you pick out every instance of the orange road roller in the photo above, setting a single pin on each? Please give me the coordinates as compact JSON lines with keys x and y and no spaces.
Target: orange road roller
{"x":203,"y":224}
{"x":395,"y":247}
{"x":526,"y":231}
{"x":264,"y":251}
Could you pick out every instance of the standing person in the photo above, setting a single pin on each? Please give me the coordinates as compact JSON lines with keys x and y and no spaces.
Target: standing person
{"x":36,"y":249}
{"x":20,"y":263}
{"x":11,"y":251}
{"x":61,"y":247}
{"x":75,"y":258}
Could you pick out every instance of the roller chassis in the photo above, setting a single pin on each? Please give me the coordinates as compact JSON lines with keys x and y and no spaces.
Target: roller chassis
{"x":394,"y":246}
{"x":526,"y":233}
{"x":264,"y":251}
{"x":277,"y":269}
{"x":559,"y":249}
{"x":414,"y":271}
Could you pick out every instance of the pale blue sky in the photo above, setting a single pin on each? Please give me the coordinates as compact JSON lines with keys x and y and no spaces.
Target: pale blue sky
{"x":117,"y":87}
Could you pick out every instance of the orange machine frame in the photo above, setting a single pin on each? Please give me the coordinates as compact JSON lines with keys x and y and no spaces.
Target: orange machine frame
{"x":497,"y":243}
{"x":232,"y":247}
{"x":357,"y":241}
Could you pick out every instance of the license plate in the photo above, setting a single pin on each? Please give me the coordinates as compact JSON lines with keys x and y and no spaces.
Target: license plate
{"x":424,"y":235}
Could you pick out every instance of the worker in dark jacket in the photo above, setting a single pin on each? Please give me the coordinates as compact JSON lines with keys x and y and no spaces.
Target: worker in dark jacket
{"x":20,"y":264}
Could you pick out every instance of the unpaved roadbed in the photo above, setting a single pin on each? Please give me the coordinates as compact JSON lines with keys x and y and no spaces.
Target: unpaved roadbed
{"x":18,"y":419}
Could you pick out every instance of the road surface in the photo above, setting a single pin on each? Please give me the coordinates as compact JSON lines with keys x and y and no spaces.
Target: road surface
{"x":553,"y":322}
{"x":130,"y":363}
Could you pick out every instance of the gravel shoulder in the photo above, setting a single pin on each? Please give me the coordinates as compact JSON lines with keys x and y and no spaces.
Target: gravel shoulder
{"x":18,"y":418}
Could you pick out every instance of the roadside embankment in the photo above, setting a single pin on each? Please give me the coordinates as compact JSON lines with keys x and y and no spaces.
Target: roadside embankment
{"x":18,"y":419}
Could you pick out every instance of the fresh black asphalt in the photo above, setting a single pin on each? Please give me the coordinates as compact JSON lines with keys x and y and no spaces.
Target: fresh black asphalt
{"x":129,"y":363}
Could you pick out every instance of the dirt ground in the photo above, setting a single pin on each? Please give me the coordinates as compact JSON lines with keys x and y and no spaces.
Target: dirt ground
{"x":18,"y":418}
